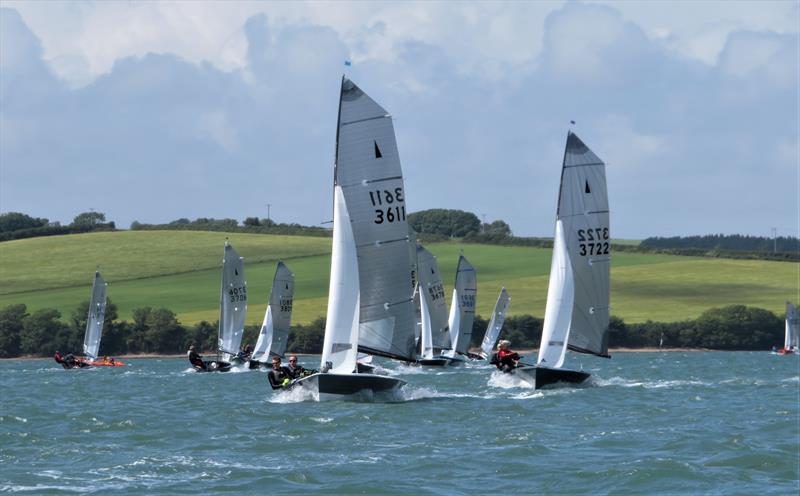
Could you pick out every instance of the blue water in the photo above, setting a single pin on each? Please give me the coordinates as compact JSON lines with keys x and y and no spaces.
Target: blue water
{"x":713,"y":423}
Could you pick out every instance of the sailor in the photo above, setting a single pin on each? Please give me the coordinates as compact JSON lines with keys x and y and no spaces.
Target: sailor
{"x":195,"y":359}
{"x":297,"y":371}
{"x":279,"y":376}
{"x":506,"y":359}
{"x":60,"y":359}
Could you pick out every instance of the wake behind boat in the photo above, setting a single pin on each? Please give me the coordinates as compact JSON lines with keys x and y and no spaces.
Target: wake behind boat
{"x":577,"y":312}
{"x":370,"y":298}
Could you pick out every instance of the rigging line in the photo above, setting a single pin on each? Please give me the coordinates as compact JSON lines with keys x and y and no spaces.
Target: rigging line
{"x":592,"y":164}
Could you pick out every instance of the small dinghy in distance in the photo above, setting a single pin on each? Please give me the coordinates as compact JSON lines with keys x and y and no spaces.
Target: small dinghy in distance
{"x":274,"y":333}
{"x":577,"y":312}
{"x":792,"y":335}
{"x":94,"y":331}
{"x":370,"y":298}
{"x":434,"y":328}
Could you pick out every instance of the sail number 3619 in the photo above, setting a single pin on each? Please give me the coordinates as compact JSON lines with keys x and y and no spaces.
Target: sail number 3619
{"x":593,"y":241}
{"x":389,"y":205}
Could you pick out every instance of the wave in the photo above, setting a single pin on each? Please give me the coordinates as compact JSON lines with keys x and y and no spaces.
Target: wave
{"x":508,"y":381}
{"x":629,"y":383}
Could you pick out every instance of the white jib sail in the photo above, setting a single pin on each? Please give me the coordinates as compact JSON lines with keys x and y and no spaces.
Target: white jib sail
{"x":95,"y":318}
{"x":495,"y":324}
{"x":427,"y":343}
{"x":558,"y":312}
{"x":277,"y":319}
{"x":792,"y":328}
{"x":454,"y":323}
{"x":233,"y":303}
{"x":339,"y":349}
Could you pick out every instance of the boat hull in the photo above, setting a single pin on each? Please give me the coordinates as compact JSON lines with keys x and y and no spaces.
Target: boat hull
{"x":331,"y":386}
{"x":434,"y":362}
{"x":542,"y":377}
{"x":214,"y":366}
{"x":107,"y":364}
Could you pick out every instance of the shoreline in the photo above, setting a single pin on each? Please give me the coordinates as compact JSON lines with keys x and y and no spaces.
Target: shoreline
{"x":523,"y":351}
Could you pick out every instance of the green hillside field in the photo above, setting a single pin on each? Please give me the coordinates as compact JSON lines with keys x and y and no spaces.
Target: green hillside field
{"x":180,"y":270}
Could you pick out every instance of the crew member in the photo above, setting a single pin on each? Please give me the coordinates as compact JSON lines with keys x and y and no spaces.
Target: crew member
{"x":297,"y":371}
{"x":195,"y":359}
{"x":507,"y":360}
{"x":279,"y":376}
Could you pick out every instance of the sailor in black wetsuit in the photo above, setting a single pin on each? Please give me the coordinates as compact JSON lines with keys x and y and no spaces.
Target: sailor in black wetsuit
{"x":279,"y":376}
{"x":297,"y":371}
{"x":195,"y":359}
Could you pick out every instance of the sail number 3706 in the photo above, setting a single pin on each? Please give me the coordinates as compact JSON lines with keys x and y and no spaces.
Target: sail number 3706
{"x":389,"y":203}
{"x":593,"y":241}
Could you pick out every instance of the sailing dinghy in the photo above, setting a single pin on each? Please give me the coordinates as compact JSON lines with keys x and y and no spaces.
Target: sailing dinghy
{"x":370,"y":298}
{"x":232,"y":312}
{"x":434,"y":328}
{"x":274,"y":333}
{"x":790,"y":341}
{"x":495,"y":324}
{"x":577,"y":312}
{"x":462,"y":311}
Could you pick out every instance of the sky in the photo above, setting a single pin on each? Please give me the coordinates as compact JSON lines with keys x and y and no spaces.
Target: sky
{"x":154,"y":111}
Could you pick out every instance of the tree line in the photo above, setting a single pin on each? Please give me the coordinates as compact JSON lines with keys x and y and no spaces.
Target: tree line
{"x":16,"y":225}
{"x":250,"y":225}
{"x":734,"y":242}
{"x":158,"y":330}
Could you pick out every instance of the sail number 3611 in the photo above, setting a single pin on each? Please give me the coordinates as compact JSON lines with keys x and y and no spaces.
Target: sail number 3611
{"x":593,"y":241}
{"x":389,"y":205}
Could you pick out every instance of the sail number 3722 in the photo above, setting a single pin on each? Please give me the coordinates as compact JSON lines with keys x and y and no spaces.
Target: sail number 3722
{"x":389,"y":205}
{"x":593,"y":241}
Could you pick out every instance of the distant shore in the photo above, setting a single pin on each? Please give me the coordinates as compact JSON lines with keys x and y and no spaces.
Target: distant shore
{"x":526,"y":351}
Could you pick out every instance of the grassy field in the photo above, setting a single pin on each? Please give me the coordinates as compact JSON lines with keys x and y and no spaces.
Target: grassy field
{"x":180,"y":270}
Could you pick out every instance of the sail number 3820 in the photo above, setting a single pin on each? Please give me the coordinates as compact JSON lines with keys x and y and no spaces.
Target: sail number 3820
{"x":593,"y":241}
{"x":389,"y":205}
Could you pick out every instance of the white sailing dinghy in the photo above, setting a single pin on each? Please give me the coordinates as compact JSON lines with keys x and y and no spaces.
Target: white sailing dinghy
{"x":370,"y":298}
{"x":462,"y":311}
{"x":495,"y":324}
{"x":577,"y":312}
{"x":434,"y":328}
{"x":274,"y":333}
{"x":790,"y":341}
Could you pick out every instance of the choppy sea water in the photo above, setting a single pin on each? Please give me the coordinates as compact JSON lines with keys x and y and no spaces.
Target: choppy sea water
{"x":714,"y":423}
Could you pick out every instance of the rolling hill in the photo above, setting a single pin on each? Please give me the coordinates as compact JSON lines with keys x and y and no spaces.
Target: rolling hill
{"x":180,"y":270}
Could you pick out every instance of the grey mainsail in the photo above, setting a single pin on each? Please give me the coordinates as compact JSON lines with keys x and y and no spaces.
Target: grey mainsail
{"x":95,"y":318}
{"x":432,"y":290}
{"x":233,"y":303}
{"x":369,"y":175}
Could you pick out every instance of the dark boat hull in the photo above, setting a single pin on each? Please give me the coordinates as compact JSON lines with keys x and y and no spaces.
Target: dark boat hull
{"x":434,"y":362}
{"x":542,"y":377}
{"x":214,"y":366}
{"x":330,"y":386}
